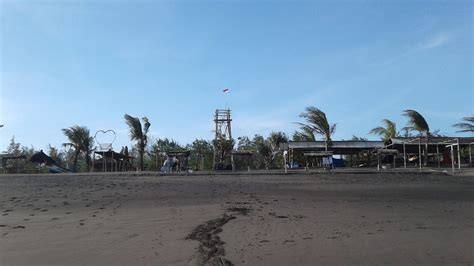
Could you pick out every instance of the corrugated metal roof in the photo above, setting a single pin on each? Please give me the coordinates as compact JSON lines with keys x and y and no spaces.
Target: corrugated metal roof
{"x":338,"y":144}
{"x":433,"y":140}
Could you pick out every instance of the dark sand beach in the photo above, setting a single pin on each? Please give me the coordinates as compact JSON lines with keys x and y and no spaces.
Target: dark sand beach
{"x":258,"y":219}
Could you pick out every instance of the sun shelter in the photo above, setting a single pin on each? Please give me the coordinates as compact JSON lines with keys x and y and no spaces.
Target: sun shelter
{"x":183,"y":158}
{"x":323,"y":158}
{"x":6,"y":157}
{"x":298,"y":149}
{"x":382,"y":153}
{"x":435,"y":150}
{"x":112,"y":161}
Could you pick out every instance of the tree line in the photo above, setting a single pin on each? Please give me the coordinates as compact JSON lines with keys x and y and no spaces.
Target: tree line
{"x":265,"y":150}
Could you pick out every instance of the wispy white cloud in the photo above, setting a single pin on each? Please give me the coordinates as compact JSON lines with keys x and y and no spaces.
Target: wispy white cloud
{"x":438,"y":40}
{"x":434,"y":41}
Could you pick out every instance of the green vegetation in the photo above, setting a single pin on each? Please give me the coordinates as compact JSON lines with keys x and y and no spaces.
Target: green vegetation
{"x":387,"y":132}
{"x":265,"y":151}
{"x":467,"y":125}
{"x":138,"y":133}
{"x":317,"y":124}
{"x":81,"y":141}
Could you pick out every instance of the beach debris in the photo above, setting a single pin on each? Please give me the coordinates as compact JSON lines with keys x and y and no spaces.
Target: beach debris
{"x":211,"y":247}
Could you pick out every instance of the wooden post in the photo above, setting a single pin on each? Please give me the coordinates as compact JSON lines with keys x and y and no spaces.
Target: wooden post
{"x":232,"y":161}
{"x":378,"y":161}
{"x":452,"y":157}
{"x":459,"y":155}
{"x":404,"y":156}
{"x":437,"y":155}
{"x":369,"y":158}
{"x":470,"y":155}
{"x":419,"y":152}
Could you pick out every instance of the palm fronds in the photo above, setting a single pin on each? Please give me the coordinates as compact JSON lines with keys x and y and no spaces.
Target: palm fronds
{"x":79,"y":139}
{"x":138,"y":133}
{"x":135,"y":127}
{"x":467,"y":125}
{"x":416,"y":122}
{"x":387,"y":132}
{"x":317,"y":122}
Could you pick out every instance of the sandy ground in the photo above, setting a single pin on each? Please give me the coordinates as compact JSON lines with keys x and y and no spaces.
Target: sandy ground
{"x":312,"y":219}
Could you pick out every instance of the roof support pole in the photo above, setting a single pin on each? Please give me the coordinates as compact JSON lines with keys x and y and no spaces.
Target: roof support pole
{"x":470,"y":155}
{"x":419,"y":152}
{"x":459,"y":155}
{"x":378,"y":161}
{"x":437,"y":155}
{"x":306,"y":161}
{"x":232,"y":161}
{"x":404,"y":156}
{"x":452,"y":157}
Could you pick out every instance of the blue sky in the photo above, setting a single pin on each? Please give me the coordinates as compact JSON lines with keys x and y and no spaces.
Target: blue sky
{"x":89,"y":62}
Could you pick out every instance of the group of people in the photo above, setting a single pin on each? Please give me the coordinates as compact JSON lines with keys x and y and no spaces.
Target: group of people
{"x":327,"y":162}
{"x":168,"y":164}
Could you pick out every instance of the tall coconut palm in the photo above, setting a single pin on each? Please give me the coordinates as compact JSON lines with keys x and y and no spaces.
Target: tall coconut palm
{"x":387,"y":132}
{"x":76,"y":136}
{"x":467,"y":125}
{"x":317,"y":122}
{"x":138,"y":133}
{"x":306,"y":134}
{"x":418,"y":123}
{"x":87,"y":146}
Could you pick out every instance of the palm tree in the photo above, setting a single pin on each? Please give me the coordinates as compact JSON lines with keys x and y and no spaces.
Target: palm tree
{"x":76,"y":136}
{"x":138,"y":133}
{"x":467,"y":125}
{"x":317,"y":123}
{"x":418,"y":123}
{"x":87,"y":146}
{"x":387,"y":132}
{"x":306,"y":134}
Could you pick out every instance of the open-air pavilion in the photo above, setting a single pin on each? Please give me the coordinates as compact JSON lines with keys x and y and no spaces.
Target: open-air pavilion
{"x":396,"y":152}
{"x":435,"y":151}
{"x":112,"y":161}
{"x":360,"y":149}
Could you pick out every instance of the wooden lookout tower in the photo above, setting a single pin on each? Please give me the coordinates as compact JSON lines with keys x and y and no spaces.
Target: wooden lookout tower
{"x":223,"y":143}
